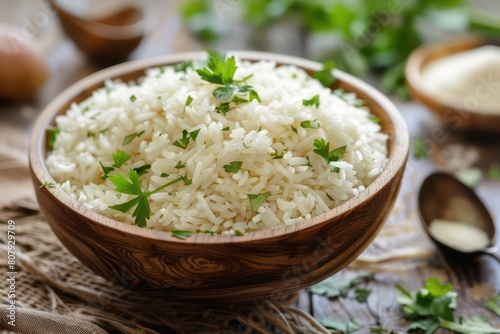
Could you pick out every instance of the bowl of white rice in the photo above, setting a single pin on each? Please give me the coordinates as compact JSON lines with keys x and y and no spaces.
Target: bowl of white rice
{"x":207,"y":177}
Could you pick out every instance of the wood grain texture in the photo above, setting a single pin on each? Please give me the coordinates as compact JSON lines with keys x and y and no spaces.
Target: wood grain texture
{"x":262,"y":264}
{"x":453,"y":115}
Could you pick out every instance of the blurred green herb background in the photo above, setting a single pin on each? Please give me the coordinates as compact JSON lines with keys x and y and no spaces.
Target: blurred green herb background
{"x":365,"y":35}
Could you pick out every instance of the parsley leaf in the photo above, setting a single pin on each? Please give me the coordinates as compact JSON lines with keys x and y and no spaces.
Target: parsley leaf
{"x":47,"y":185}
{"x":142,"y":170}
{"x":277,"y":155}
{"x":378,"y":330}
{"x":164,"y":175}
{"x":223,"y":108}
{"x":184,"y":141}
{"x":233,"y":167}
{"x":188,"y":101}
{"x":325,"y":76}
{"x":427,"y":307}
{"x":225,"y":128}
{"x":181,"y":234}
{"x":132,"y":186}
{"x":419,"y":148}
{"x":253,"y":96}
{"x":256,"y":200}
{"x":493,"y":304}
{"x":131,"y":137}
{"x":312,"y":101}
{"x":119,"y":158}
{"x":351,"y":326}
{"x":375,"y":119}
{"x":314,"y":124}
{"x":238,"y":233}
{"x":133,"y":98}
{"x":294,"y":129}
{"x":52,"y":134}
{"x":475,"y":325}
{"x":194,"y":134}
{"x":225,"y":93}
{"x":337,"y":286}
{"x":90,"y":134}
{"x":361,"y":295}
{"x":106,"y":171}
{"x":218,"y":70}
{"x":180,"y":165}
{"x":323,"y":150}
{"x":182,"y":67}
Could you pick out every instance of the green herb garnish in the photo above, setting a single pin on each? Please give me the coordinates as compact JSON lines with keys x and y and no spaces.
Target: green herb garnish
{"x":164,"y":175}
{"x":132,"y":186}
{"x":106,"y":171}
{"x":378,"y":330}
{"x":119,"y":158}
{"x":226,"y":128}
{"x":361,"y":295}
{"x":181,"y":234}
{"x":131,"y":137}
{"x":375,"y":119}
{"x":133,"y":98}
{"x":180,"y":165}
{"x":142,"y":170}
{"x":90,"y":134}
{"x":47,"y":185}
{"x":238,"y":233}
{"x":223,"y":108}
{"x":188,"y":101}
{"x":314,"y":124}
{"x":52,"y":131}
{"x":252,"y":95}
{"x":187,"y":181}
{"x":256,"y":200}
{"x":294,"y":129}
{"x":209,"y":232}
{"x":419,"y":148}
{"x":336,"y":286}
{"x":233,"y":167}
{"x":182,"y":67}
{"x":493,"y":304}
{"x":351,"y":326}
{"x":184,"y":141}
{"x":475,"y":325}
{"x":312,"y":101}
{"x":325,"y":76}
{"x":277,"y":155}
{"x":194,"y":134}
{"x":323,"y":150}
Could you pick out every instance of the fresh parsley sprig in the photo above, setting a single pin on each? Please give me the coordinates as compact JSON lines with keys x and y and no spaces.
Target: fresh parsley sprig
{"x":132,"y":186}
{"x":323,"y":150}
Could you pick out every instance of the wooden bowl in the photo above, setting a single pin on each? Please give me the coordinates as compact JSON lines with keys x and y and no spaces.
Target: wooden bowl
{"x":258,"y":265}
{"x":452,"y":114}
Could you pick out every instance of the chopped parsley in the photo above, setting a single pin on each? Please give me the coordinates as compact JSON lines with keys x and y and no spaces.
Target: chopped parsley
{"x":419,"y":148}
{"x":119,"y":158}
{"x":361,"y":295}
{"x":132,"y":186}
{"x":313,"y":101}
{"x":335,"y":286}
{"x":237,"y":99}
{"x":106,"y":171}
{"x":294,"y":129}
{"x":314,"y":124}
{"x":194,"y":134}
{"x":238,"y":233}
{"x":131,"y":137}
{"x":142,"y":170}
{"x":90,"y":134}
{"x":133,"y":98}
{"x":181,"y":234}
{"x":47,"y":185}
{"x":325,"y":76}
{"x":188,"y":101}
{"x":256,"y":200}
{"x":277,"y":155}
{"x":233,"y":167}
{"x":351,"y":326}
{"x":375,"y":119}
{"x":180,"y":165}
{"x":182,"y":67}
{"x":223,"y":108}
{"x":323,"y":150}
{"x":226,"y":128}
{"x":209,"y":232}
{"x":377,"y":330}
{"x":52,"y":134}
{"x":164,"y":175}
{"x":187,"y":181}
{"x":184,"y":141}
{"x":252,"y":95}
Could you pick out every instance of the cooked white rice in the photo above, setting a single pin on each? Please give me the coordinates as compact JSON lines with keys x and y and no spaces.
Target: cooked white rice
{"x":301,"y":184}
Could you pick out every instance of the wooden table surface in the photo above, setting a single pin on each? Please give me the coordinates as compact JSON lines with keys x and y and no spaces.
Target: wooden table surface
{"x":473,"y":280}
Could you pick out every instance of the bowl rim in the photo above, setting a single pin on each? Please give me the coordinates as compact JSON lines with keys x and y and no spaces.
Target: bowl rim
{"x":396,"y":159}
{"x":415,"y":81}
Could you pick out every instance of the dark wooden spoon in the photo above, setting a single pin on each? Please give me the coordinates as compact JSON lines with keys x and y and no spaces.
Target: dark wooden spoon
{"x":442,"y":196}
{"x":107,"y":39}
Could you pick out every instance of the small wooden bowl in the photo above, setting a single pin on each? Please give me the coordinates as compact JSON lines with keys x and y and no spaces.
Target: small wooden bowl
{"x":258,"y":265}
{"x":453,"y":115}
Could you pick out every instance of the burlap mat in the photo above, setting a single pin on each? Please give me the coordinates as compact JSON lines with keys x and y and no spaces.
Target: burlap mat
{"x":57,"y":294}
